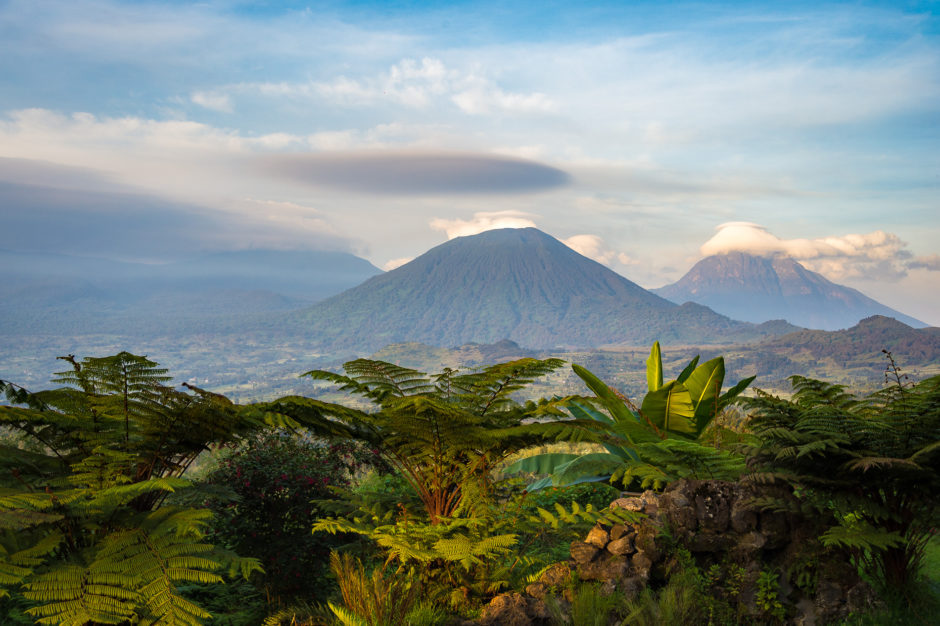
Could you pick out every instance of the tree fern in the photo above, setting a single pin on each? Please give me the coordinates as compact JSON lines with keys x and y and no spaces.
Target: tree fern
{"x":867,"y":467}
{"x":88,"y":539}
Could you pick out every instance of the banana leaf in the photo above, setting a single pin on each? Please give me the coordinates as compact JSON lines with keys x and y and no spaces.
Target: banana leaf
{"x":670,"y":409}
{"x":654,"y":368}
{"x":704,"y":385}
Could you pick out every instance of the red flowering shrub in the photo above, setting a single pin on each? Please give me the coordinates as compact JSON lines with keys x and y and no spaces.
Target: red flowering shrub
{"x":272,"y":483}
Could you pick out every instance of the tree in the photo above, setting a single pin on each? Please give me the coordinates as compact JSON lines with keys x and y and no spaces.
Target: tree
{"x":868,"y":468}
{"x":444,"y":433}
{"x":87,"y":532}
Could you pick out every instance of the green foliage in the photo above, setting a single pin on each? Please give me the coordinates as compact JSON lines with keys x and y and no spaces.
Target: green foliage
{"x":867,"y":468}
{"x":656,"y":443}
{"x":443,"y":433}
{"x":590,"y":606}
{"x":767,"y":598}
{"x":86,"y":534}
{"x":271,"y":488}
{"x":678,"y":602}
{"x":380,"y":599}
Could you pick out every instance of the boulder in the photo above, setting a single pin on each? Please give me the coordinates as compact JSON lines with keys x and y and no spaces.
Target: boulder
{"x":582,"y":553}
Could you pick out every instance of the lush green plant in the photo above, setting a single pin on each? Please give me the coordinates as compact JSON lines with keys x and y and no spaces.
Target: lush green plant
{"x":378,"y":599}
{"x":868,"y":468}
{"x":589,"y":606}
{"x":443,"y":433}
{"x":656,"y":442}
{"x":678,"y":602}
{"x":273,"y":484}
{"x":767,"y":598}
{"x":597,"y":495}
{"x":87,"y":533}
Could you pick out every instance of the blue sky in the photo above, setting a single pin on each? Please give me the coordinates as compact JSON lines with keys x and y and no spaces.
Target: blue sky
{"x":633,"y":131}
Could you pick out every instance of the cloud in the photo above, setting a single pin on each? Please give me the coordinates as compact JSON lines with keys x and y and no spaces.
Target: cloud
{"x":594,"y":247}
{"x":413,"y":84}
{"x":394,"y":263}
{"x":416,"y":173}
{"x":213,"y":101}
{"x":875,"y":255}
{"x":483,"y":221}
{"x":53,"y":209}
{"x":930,"y":263}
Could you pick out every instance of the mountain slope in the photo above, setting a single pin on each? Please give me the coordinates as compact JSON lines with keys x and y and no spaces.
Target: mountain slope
{"x":757,"y":289}
{"x":519,"y":284}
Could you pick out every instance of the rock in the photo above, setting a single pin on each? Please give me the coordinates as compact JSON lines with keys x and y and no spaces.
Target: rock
{"x":828,"y":601}
{"x":650,"y":501}
{"x":860,"y":598}
{"x":556,"y":576}
{"x":506,"y":610}
{"x":582,"y":552}
{"x":610,"y":568}
{"x":641,"y":565}
{"x":711,"y":542}
{"x":774,"y":527}
{"x":537,"y":590}
{"x":743,"y":518}
{"x":748,"y":545}
{"x":630,"y":504}
{"x":621,"y":546}
{"x":646,"y":541}
{"x":712,"y":511}
{"x":598,"y":537}
{"x":619,"y":530}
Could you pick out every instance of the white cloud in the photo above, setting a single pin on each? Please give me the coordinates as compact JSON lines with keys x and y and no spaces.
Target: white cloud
{"x":213,"y":101}
{"x":875,"y":255}
{"x":483,"y":221}
{"x":414,"y":84}
{"x":595,"y":248}
{"x":394,"y":263}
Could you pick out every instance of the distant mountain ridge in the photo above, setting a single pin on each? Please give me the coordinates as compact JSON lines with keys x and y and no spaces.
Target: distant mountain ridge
{"x":64,"y":294}
{"x":756,"y":289}
{"x":520,"y":284}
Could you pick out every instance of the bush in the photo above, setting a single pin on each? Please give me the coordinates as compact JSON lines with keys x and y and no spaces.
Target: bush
{"x":274,"y":483}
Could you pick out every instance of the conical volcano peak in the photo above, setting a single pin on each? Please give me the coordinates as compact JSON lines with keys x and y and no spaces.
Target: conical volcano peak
{"x":516,"y":283}
{"x":761,"y":288}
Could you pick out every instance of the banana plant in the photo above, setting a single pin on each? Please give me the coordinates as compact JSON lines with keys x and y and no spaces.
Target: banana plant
{"x":678,"y":409}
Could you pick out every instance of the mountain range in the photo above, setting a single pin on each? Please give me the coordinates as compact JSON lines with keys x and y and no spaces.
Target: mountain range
{"x":756,"y":288}
{"x":520,"y":284}
{"x":65,"y":294}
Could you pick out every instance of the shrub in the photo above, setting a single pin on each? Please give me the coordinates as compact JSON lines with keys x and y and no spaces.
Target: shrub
{"x":274,"y":483}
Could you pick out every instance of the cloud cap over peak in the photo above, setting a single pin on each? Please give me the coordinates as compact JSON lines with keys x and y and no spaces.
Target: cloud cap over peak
{"x":417,"y":172}
{"x":877,"y":254}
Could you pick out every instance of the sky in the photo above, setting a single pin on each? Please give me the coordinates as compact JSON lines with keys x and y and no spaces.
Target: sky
{"x":645,"y":135}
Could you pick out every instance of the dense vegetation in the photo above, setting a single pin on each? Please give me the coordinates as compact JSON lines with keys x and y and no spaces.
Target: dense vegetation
{"x":125,"y":500}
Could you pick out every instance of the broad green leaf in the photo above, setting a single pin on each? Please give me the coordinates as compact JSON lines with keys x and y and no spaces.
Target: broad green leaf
{"x":670,"y":408}
{"x":580,"y":410}
{"x":654,"y":368}
{"x":540,"y":463}
{"x":587,"y":466}
{"x":704,"y":385}
{"x":618,"y":410}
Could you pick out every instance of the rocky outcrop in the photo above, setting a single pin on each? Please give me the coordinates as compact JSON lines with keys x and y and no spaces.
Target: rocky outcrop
{"x":714,"y":524}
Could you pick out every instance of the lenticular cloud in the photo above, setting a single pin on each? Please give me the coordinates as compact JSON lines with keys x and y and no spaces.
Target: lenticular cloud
{"x":842,"y":256}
